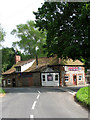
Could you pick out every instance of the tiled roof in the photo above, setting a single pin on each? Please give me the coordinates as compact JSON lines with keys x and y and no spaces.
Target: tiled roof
{"x":11,"y":70}
{"x":24,"y":62}
{"x":42,"y":63}
{"x":71,"y":62}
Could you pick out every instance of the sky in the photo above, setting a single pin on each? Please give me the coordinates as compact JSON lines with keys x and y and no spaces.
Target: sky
{"x":15,"y":12}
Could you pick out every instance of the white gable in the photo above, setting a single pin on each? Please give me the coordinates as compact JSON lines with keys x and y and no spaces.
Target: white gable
{"x":26,"y":66}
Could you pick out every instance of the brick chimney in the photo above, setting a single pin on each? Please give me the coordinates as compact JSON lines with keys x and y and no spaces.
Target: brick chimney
{"x":17,"y":58}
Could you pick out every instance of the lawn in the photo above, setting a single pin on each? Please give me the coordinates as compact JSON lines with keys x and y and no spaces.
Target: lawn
{"x":83,"y":96}
{"x":1,"y":90}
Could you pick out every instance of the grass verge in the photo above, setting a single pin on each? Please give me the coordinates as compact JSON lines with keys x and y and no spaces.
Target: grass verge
{"x":83,"y":96}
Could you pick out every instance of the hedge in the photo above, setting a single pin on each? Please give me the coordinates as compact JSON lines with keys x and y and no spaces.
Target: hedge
{"x":1,"y":90}
{"x":83,"y":95}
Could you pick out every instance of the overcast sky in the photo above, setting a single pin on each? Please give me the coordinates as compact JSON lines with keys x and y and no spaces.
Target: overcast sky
{"x":14,"y":12}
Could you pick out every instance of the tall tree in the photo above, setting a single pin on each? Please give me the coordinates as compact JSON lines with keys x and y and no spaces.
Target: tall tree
{"x":2,"y":34}
{"x":67,"y":26}
{"x":30,"y":38}
{"x":8,"y":55}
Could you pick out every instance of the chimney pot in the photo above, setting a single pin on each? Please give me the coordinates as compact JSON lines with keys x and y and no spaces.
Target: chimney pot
{"x":17,"y":58}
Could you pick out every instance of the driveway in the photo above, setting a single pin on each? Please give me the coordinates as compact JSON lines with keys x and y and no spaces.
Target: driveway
{"x":40,"y":102}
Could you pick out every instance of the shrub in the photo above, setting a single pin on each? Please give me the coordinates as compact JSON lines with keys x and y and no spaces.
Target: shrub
{"x":83,"y":96}
{"x":1,"y":90}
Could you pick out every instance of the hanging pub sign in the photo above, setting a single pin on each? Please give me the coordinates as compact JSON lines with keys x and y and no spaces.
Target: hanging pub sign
{"x":50,"y":77}
{"x":73,"y":68}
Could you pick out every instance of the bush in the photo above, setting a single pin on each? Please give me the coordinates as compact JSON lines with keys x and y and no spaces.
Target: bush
{"x":83,"y":96}
{"x":1,"y":90}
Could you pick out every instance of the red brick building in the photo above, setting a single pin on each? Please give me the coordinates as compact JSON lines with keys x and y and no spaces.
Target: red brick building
{"x":49,"y":72}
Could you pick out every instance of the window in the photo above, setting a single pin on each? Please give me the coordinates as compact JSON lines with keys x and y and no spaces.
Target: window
{"x":18,"y":69}
{"x":66,"y":78}
{"x":43,"y":77}
{"x":66,"y":68}
{"x":50,"y":77}
{"x":9,"y":81}
{"x":56,"y":77}
{"x":80,"y":77}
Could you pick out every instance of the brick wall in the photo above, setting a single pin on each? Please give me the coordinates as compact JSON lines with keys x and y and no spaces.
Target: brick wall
{"x":70,"y":74}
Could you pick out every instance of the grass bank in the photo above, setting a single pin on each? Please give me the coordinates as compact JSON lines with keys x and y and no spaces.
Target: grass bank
{"x":1,"y":91}
{"x":83,"y":96}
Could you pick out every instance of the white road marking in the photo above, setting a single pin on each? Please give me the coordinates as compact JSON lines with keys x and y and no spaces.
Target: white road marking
{"x":38,"y":96}
{"x":33,"y":106}
{"x":69,"y":91}
{"x":32,"y":116}
{"x":38,"y":91}
{"x":72,"y":93}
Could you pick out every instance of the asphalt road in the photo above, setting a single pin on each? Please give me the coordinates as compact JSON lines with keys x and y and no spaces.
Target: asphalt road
{"x":46,"y":102}
{"x":74,"y":88}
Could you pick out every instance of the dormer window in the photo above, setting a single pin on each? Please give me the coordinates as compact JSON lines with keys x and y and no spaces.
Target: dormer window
{"x":18,"y":69}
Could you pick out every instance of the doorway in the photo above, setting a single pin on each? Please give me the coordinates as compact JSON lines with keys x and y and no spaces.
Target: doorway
{"x":4,"y":83}
{"x":14,"y":82}
{"x":74,"y":79}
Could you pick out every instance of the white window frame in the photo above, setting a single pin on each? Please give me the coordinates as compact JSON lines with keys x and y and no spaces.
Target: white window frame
{"x":17,"y":69}
{"x":43,"y":78}
{"x":80,"y":78}
{"x":56,"y":77}
{"x":66,"y":80}
{"x":9,"y":81}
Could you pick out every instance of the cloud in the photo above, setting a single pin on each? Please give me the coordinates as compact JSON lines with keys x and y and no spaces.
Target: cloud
{"x":14,"y":12}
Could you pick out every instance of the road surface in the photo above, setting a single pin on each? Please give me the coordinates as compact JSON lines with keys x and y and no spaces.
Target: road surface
{"x":40,"y":102}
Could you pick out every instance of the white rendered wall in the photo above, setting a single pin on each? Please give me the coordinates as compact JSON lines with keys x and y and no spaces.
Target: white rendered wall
{"x":50,"y":83}
{"x":26,"y":66}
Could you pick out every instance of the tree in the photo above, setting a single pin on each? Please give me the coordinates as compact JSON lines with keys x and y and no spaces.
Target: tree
{"x":8,"y":55}
{"x":67,"y":26}
{"x":30,"y":38}
{"x":2,"y":34}
{"x":24,"y":56}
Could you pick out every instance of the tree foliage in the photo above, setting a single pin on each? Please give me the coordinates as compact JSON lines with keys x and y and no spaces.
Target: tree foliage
{"x":30,"y":38}
{"x":2,"y":34}
{"x":67,"y":26}
{"x":8,"y":58}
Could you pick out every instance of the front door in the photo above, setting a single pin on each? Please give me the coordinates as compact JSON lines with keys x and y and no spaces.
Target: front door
{"x":74,"y":80}
{"x":14,"y":82}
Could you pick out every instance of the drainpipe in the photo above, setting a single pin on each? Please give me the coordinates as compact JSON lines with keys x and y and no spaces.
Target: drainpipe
{"x":59,"y":60}
{"x":36,"y":57}
{"x":36,"y":61}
